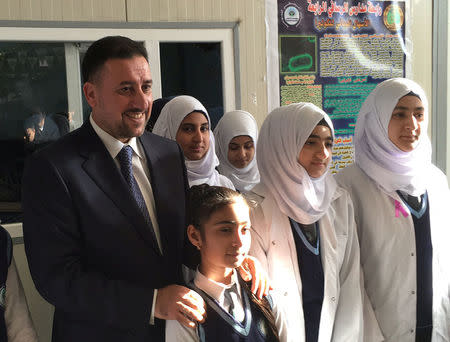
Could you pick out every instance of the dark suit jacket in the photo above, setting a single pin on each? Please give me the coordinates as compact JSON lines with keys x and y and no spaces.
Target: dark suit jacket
{"x":50,"y":132}
{"x":90,"y":252}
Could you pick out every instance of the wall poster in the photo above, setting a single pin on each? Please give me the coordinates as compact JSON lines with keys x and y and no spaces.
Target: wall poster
{"x":333,"y":53}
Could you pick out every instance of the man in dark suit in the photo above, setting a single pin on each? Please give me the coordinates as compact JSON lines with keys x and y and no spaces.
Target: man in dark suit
{"x":105,"y":246}
{"x":40,"y":130}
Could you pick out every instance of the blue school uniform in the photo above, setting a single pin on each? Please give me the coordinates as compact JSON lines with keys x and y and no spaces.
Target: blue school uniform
{"x":424,"y":263}
{"x":222,"y":326}
{"x":311,"y":274}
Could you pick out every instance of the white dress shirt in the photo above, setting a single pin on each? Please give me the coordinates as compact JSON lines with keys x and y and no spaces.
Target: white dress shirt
{"x":141,"y":174}
{"x":140,"y":170}
{"x":216,"y":290}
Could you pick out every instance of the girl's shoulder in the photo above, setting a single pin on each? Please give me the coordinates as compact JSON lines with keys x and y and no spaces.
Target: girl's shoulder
{"x":352,"y":176}
{"x":226,"y":182}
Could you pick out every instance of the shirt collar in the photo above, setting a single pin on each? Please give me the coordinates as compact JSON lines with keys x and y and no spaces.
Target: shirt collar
{"x":112,"y":144}
{"x":213,"y":288}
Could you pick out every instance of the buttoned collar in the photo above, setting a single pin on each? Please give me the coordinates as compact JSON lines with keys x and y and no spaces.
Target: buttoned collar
{"x":213,"y":288}
{"x":114,"y":145}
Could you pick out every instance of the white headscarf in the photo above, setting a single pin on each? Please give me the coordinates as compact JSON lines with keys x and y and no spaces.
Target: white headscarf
{"x":173,"y":113}
{"x":391,"y":168}
{"x":233,"y":124}
{"x":282,"y":137}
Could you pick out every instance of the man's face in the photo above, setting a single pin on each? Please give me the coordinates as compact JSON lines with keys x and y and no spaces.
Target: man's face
{"x":121,"y":97}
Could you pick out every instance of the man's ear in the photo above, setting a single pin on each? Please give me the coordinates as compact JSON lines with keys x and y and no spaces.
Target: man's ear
{"x":90,"y":93}
{"x":194,"y":236}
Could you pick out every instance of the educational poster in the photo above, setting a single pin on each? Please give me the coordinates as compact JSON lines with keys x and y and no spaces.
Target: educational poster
{"x":333,"y":53}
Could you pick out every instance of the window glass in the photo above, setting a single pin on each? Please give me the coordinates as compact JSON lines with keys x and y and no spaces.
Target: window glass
{"x":33,"y":111}
{"x":36,"y":106}
{"x":194,"y":69}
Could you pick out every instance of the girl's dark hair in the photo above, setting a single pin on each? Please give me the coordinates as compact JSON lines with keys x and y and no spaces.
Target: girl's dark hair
{"x":265,"y":308}
{"x":323,"y":122}
{"x":411,"y":93}
{"x":204,"y":200}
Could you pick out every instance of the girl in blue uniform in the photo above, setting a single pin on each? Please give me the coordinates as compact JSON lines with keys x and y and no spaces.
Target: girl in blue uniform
{"x":219,"y":227}
{"x":304,"y":228}
{"x":402,"y":214}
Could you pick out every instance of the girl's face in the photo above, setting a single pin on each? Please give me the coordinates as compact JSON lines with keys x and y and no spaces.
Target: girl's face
{"x":193,"y":136}
{"x":316,"y":153}
{"x":241,"y":151}
{"x":225,"y":241}
{"x":406,"y":120}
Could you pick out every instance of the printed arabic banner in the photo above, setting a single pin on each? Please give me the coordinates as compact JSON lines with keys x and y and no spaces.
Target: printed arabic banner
{"x":333,"y":53}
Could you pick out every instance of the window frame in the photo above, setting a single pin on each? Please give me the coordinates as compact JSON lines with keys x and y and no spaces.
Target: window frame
{"x":440,"y":123}
{"x":151,"y":35}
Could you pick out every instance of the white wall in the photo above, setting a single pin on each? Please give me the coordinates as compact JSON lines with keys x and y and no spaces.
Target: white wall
{"x":448,"y":98}
{"x":421,"y":25}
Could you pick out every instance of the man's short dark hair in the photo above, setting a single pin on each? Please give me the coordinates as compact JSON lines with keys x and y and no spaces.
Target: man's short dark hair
{"x":109,"y":48}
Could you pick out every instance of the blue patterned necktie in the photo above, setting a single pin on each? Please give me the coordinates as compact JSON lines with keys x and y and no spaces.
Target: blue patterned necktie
{"x":125,"y":156}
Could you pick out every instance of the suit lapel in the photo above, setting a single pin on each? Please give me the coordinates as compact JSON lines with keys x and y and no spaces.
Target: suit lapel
{"x":152,"y":155}
{"x":101,"y":168}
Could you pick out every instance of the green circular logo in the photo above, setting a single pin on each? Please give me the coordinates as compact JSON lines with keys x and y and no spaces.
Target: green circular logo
{"x":393,"y":17}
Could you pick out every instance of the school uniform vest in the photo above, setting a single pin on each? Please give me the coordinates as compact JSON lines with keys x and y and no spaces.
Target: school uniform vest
{"x":424,"y":265}
{"x":5,"y":260}
{"x":220,"y":326}
{"x":311,"y":274}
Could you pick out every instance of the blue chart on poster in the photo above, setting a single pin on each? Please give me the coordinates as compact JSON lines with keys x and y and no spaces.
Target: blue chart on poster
{"x":333,"y":53}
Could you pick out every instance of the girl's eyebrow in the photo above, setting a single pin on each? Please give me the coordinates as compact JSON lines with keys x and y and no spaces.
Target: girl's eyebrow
{"x":406,"y":108}
{"x":193,"y":124}
{"x":230,"y":222}
{"x":317,"y":137}
{"x":244,"y":143}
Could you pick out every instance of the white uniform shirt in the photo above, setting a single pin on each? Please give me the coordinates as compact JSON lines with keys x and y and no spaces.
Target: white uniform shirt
{"x":274,"y":246}
{"x":388,"y":256}
{"x":177,"y":332}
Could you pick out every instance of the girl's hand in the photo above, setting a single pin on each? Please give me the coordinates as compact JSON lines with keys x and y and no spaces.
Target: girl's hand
{"x":252,"y":270}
